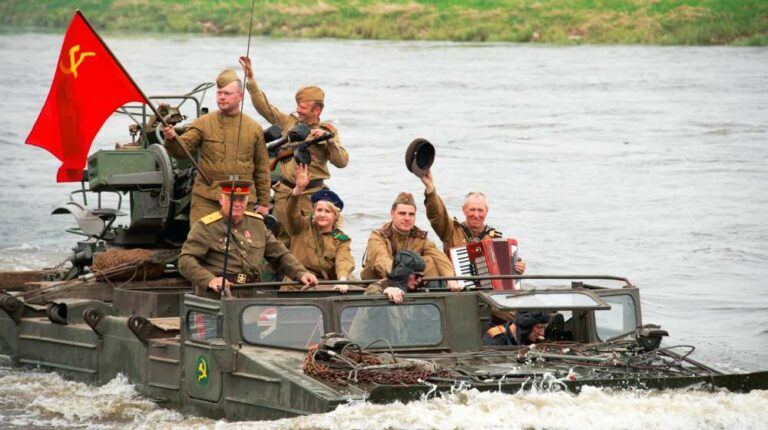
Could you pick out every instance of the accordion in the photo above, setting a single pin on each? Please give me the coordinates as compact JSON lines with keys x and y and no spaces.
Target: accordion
{"x":487,"y":257}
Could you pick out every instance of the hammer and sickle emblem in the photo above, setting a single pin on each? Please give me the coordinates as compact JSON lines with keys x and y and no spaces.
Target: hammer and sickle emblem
{"x":202,"y":370}
{"x":75,"y":63}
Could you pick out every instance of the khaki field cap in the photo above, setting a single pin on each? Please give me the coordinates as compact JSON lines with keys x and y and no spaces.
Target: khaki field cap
{"x":310,"y":93}
{"x":405,"y":199}
{"x":419,"y":157}
{"x":226,"y":77}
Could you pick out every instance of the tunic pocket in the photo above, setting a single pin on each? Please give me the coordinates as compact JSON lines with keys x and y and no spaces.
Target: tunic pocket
{"x":213,"y":149}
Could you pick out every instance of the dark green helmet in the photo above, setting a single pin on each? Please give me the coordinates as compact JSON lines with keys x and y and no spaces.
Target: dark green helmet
{"x":405,"y":263}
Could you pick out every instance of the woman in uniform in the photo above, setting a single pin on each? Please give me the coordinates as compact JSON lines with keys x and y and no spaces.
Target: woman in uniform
{"x":317,"y":240}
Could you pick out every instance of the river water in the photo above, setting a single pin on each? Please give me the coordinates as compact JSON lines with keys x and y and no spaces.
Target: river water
{"x":648,"y":162}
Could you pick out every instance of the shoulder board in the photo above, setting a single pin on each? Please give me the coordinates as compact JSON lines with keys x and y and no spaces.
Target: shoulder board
{"x":338,"y":234}
{"x":254,"y":215}
{"x":418,"y":233}
{"x":211,"y":217}
{"x":493,"y":233}
{"x":327,"y":126}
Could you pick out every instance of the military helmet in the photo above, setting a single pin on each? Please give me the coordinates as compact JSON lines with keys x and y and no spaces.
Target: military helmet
{"x":525,"y":322}
{"x":405,"y":263}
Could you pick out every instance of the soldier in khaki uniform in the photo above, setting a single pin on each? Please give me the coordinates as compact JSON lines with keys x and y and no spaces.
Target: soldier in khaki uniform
{"x":453,"y":232}
{"x":309,"y":105}
{"x":401,"y":234}
{"x":317,"y":241}
{"x":214,"y":137}
{"x":202,"y":256}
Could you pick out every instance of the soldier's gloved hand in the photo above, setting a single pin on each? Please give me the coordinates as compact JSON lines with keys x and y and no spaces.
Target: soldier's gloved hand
{"x":455,"y":286}
{"x":215,"y":284}
{"x":520,"y":267}
{"x":308,"y":279}
{"x":169,"y":133}
{"x":394,"y":294}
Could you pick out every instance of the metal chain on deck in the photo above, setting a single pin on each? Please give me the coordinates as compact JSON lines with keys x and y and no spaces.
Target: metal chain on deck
{"x":367,"y":368}
{"x":137,"y":263}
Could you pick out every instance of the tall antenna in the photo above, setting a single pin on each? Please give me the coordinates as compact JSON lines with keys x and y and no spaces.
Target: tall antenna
{"x":225,"y":291}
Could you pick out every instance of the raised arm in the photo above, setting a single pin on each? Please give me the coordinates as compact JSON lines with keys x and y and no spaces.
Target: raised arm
{"x":438,"y":216}
{"x":296,"y":222}
{"x":259,"y":99}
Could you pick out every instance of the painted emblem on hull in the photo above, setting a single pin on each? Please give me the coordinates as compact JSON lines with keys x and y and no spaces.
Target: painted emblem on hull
{"x":201,"y":370}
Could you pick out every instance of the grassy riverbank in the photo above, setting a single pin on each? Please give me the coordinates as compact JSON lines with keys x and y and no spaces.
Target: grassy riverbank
{"x":685,"y":22}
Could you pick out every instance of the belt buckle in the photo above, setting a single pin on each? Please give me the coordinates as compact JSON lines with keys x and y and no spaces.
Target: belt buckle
{"x":241,"y":278}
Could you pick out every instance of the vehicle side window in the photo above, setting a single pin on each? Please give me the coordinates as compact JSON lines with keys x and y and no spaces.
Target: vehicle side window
{"x":617,"y":320}
{"x":401,"y":325}
{"x":202,"y":326}
{"x":282,"y":325}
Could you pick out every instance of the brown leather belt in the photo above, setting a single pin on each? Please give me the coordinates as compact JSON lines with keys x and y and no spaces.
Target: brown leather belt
{"x":315,"y":183}
{"x":241,"y":278}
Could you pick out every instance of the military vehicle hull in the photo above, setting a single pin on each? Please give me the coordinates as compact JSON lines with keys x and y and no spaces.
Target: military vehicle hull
{"x":247,"y":359}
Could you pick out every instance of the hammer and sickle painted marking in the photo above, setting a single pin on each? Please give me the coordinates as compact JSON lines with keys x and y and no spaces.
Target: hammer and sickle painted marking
{"x":202,"y":370}
{"x":75,"y":63}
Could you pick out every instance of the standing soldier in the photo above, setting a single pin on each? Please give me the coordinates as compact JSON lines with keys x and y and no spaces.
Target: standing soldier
{"x":453,"y":232}
{"x":202,"y":256}
{"x":401,"y":234}
{"x":309,"y":105}
{"x":214,"y":137}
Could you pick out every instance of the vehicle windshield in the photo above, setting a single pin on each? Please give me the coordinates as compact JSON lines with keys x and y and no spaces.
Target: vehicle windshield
{"x":547,"y":300}
{"x":401,"y":325}
{"x":621,"y":318}
{"x":287,"y":326}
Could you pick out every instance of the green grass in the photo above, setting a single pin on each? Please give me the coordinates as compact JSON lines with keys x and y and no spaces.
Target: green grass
{"x":686,"y":22}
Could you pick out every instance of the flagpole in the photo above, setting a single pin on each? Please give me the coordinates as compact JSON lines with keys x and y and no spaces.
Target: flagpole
{"x":225,"y":291}
{"x":146,"y":100}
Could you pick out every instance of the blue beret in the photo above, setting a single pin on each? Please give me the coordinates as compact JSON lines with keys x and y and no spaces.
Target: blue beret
{"x":327,"y":195}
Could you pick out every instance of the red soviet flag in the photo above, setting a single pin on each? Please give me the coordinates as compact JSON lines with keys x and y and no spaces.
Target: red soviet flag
{"x":88,"y":86}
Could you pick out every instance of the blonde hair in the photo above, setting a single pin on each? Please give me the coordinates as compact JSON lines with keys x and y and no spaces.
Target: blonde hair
{"x":339,"y":221}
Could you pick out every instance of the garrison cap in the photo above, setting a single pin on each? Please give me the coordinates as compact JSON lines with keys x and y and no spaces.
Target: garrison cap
{"x":329,"y":196}
{"x":226,"y":77}
{"x":405,"y":199}
{"x":310,"y":93}
{"x":419,"y":157}
{"x":240,"y":188}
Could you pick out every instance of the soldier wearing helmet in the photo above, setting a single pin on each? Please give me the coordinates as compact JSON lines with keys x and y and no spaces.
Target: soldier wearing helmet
{"x":405,"y":276}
